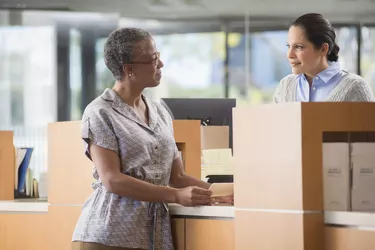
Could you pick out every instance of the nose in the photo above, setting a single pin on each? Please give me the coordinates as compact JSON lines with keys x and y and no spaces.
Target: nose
{"x":290,"y":53}
{"x":160,"y":64}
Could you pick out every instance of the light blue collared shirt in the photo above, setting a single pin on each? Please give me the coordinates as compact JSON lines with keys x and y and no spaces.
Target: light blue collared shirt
{"x":322,"y":85}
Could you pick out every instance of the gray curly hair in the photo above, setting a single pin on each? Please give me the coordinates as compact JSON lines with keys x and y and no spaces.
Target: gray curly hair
{"x":119,"y":47}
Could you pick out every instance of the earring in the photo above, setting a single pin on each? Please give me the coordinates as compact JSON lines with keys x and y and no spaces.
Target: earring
{"x":131,"y":74}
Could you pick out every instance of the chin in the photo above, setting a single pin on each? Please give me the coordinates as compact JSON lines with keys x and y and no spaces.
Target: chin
{"x":155,"y":83}
{"x":296,"y":71}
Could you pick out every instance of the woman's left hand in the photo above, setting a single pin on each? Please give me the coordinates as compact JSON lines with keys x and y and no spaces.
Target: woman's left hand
{"x":223,"y":199}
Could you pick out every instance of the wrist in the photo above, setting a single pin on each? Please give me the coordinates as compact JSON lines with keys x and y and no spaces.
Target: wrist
{"x":172,"y":196}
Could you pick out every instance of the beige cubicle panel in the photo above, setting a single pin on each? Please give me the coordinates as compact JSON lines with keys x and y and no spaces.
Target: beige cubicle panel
{"x":338,"y":238}
{"x":178,"y":226}
{"x":278,"y":170}
{"x":70,"y":179}
{"x":69,"y":170}
{"x":7,"y":165}
{"x":24,"y":231}
{"x":61,"y":223}
{"x":187,"y":135}
{"x":201,"y":234}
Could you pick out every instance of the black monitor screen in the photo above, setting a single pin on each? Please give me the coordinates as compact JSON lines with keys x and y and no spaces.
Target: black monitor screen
{"x":211,"y":111}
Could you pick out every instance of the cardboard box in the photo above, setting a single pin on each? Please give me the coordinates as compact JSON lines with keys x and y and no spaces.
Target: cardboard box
{"x":336,"y":176}
{"x":363,"y":187}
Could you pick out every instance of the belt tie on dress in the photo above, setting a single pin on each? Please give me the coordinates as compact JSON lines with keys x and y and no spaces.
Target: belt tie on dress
{"x":153,"y":212}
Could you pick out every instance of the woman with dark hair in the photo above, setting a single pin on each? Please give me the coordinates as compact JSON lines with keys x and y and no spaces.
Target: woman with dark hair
{"x":317,"y":76}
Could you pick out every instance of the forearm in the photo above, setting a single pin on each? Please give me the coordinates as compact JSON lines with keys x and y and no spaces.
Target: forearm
{"x":187,"y":181}
{"x":179,"y":179}
{"x":128,"y":186}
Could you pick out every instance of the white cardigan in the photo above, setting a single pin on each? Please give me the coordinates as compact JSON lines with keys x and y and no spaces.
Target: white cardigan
{"x":352,"y":88}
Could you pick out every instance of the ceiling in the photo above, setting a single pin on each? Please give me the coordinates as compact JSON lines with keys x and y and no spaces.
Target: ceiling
{"x":173,"y":9}
{"x":336,"y":10}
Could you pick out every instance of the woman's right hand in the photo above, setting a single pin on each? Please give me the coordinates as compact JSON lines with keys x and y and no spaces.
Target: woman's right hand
{"x":193,"y":196}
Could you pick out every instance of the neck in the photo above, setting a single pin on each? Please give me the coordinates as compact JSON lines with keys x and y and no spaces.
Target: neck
{"x":130,"y":95}
{"x":310,"y":76}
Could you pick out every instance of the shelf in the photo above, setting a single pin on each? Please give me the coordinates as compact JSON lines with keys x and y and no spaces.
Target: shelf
{"x":350,"y":219}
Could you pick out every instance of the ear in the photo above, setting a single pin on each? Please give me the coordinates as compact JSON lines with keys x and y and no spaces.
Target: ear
{"x":127,"y":69}
{"x":324,"y":49}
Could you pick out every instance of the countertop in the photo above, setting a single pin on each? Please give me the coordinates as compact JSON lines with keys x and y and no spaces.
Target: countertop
{"x":364,"y":220}
{"x":31,"y":205}
{"x":24,"y":206}
{"x":204,"y":211}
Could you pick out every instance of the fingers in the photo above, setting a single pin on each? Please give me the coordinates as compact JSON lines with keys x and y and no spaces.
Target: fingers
{"x":200,"y":199}
{"x":202,"y":191}
{"x":201,"y":202}
{"x":224,"y":199}
{"x":200,"y":196}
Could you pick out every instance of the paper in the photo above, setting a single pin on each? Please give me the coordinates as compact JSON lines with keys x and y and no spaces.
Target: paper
{"x":221,"y":189}
{"x":217,"y":157}
{"x":217,"y":162}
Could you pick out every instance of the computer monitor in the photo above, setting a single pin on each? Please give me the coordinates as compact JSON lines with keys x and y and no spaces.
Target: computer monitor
{"x":211,"y":111}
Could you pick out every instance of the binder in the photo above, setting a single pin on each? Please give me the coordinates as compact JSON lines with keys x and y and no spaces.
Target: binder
{"x":22,"y":170}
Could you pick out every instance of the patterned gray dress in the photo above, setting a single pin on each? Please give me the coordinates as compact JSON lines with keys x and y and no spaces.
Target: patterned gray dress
{"x":146,"y":153}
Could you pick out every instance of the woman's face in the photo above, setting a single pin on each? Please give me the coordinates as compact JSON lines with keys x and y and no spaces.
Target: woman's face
{"x":146,"y":64}
{"x":303,"y":57}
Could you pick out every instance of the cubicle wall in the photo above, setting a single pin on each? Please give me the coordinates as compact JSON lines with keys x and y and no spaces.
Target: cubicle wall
{"x":7,"y":162}
{"x":278,"y":175}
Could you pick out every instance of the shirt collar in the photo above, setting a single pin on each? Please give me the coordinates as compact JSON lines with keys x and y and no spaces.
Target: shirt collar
{"x":127,"y":111}
{"x":109,"y":95}
{"x":326,"y":75}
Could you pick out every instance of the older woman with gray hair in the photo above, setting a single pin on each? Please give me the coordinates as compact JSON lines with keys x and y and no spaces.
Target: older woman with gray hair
{"x":130,"y":141}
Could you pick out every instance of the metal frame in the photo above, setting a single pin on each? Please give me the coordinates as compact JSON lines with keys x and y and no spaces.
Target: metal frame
{"x":90,"y":33}
{"x":63,"y":73}
{"x":359,"y":48}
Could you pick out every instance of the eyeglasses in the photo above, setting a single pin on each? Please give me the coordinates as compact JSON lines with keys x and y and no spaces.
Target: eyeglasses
{"x":155,"y":61}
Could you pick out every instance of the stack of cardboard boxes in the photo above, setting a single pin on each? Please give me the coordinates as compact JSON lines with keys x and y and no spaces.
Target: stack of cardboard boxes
{"x":349,"y":176}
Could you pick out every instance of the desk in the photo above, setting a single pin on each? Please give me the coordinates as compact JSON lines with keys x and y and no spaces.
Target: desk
{"x":23,"y":225}
{"x":207,"y":227}
{"x":194,"y":228}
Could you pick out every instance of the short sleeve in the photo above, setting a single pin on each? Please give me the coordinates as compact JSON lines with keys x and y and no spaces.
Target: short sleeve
{"x":176,"y":154}
{"x":97,"y":128}
{"x":169,"y":120}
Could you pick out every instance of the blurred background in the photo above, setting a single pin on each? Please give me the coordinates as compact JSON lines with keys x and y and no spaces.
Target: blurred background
{"x":51,"y":53}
